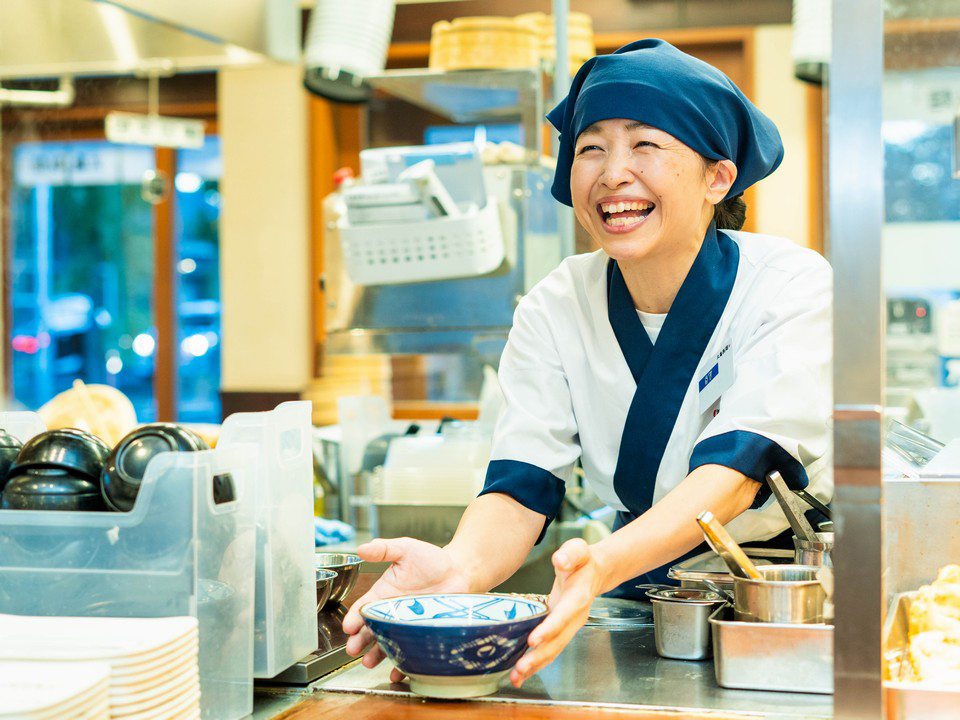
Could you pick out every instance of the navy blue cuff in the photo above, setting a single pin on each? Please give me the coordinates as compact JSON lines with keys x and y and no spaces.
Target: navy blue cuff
{"x":531,"y":486}
{"x":753,"y":455}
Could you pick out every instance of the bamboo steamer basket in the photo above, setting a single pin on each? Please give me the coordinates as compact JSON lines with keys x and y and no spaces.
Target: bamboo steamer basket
{"x":348,"y":376}
{"x":483,"y":43}
{"x":580,"y":43}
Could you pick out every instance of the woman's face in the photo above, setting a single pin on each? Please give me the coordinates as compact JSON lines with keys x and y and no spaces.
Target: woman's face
{"x":640,"y":192}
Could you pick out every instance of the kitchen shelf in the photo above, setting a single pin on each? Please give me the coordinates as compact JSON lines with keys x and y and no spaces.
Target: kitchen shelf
{"x":472,"y":96}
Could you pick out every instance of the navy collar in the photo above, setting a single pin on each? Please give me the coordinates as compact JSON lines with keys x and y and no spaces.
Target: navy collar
{"x":663,"y":372}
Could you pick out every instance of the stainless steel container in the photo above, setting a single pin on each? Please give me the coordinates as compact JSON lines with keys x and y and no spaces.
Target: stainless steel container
{"x":814,"y":552}
{"x":694,"y":571}
{"x":771,"y":656}
{"x":680,"y":622}
{"x":786,"y":594}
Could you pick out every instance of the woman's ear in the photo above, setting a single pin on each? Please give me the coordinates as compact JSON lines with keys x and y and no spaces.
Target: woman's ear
{"x":720,"y":178}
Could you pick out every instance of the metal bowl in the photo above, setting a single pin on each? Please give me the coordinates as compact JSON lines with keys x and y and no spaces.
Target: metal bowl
{"x":325,"y":579}
{"x":347,"y":568}
{"x":786,"y":594}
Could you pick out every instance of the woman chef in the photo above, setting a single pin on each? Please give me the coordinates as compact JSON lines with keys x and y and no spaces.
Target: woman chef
{"x":680,"y":363}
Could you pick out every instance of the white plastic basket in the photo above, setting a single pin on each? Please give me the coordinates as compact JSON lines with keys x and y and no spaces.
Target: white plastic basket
{"x":387,"y":254}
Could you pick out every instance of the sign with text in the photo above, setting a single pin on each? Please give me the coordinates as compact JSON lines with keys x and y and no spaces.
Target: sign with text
{"x":157,"y":130}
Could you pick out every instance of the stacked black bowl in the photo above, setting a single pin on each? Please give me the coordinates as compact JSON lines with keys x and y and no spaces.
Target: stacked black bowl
{"x":56,"y":470}
{"x":9,"y":449}
{"x":124,"y":469}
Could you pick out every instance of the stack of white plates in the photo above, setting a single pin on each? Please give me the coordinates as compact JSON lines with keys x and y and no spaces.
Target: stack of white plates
{"x":152,"y":661}
{"x":52,"y":690}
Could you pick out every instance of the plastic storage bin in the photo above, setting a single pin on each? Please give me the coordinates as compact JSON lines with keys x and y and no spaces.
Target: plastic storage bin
{"x":177,"y":552}
{"x":285,"y":606}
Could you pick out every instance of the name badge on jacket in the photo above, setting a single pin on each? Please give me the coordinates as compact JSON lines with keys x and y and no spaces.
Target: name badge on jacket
{"x":717,"y":379}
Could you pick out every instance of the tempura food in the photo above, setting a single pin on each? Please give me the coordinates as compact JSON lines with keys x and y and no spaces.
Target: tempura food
{"x":934,"y":621}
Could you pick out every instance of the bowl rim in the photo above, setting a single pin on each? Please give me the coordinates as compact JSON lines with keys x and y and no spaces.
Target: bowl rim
{"x":327,"y":574}
{"x":540,"y":614}
{"x":763,"y":582}
{"x":351,"y":560}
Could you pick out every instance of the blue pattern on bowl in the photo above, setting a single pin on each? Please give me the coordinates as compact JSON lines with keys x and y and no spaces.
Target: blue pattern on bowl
{"x":452,"y":634}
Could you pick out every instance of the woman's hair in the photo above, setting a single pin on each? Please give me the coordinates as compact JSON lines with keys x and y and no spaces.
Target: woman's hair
{"x":730,"y":214}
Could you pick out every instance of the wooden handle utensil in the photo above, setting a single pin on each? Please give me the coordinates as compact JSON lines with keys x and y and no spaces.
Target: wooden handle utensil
{"x":726,"y":547}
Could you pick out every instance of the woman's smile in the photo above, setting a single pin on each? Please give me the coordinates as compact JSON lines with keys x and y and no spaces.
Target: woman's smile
{"x":620,"y":215}
{"x":638,"y":190}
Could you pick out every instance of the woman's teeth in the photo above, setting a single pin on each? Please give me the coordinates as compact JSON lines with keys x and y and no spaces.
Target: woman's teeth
{"x":623,"y":221}
{"x":619,"y":207}
{"x":625,"y":214}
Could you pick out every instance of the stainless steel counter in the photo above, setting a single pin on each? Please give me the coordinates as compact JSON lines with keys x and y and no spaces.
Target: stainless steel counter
{"x":617,"y":668}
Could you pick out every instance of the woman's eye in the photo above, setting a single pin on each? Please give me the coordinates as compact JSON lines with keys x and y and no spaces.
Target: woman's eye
{"x":587,"y":148}
{"x":646,"y":143}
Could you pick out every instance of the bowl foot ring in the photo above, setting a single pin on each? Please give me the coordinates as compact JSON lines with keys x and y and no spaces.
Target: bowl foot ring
{"x":452,"y":686}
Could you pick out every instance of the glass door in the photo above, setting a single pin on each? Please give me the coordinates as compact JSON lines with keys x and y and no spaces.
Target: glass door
{"x":87,"y":275}
{"x":81,"y":271}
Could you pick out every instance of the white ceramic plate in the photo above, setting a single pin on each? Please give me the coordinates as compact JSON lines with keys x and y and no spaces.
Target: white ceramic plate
{"x":37,"y":689}
{"x":83,"y":638}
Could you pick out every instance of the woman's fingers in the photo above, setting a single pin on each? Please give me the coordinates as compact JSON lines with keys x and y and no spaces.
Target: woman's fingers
{"x":540,"y":656}
{"x":373,"y":657}
{"x":571,"y":610}
{"x":571,"y":556}
{"x":358,"y":642}
{"x":396,"y":676}
{"x":380,"y":550}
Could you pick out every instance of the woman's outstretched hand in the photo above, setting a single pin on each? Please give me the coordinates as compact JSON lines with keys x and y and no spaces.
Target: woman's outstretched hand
{"x":418,"y":567}
{"x":577,"y":583}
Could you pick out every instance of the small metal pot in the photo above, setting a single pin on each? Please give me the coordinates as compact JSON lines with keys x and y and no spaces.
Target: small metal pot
{"x":680,"y":626}
{"x":814,"y":552}
{"x":786,"y":594}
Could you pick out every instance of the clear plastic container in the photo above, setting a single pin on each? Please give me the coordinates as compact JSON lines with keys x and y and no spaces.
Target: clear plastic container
{"x":285,"y":613}
{"x":177,"y":552}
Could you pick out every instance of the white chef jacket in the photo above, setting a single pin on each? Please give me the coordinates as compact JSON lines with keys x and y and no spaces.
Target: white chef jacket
{"x":740,"y":376}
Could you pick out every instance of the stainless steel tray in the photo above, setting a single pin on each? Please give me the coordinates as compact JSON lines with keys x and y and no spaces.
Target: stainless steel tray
{"x":906,"y":699}
{"x":709,"y":566}
{"x":771,"y":656}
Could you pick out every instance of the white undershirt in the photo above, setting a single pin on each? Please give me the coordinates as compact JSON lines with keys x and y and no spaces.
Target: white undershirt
{"x":652,"y":322}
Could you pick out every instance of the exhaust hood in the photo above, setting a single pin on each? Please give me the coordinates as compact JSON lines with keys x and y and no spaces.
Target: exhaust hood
{"x":45,"y":38}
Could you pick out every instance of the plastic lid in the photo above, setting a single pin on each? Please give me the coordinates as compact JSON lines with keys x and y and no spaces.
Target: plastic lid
{"x":342,"y":174}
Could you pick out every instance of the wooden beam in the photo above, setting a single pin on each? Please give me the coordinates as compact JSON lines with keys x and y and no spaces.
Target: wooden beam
{"x":164,"y":293}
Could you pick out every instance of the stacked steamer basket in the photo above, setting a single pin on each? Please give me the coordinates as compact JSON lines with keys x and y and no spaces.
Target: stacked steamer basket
{"x":150,"y":663}
{"x":524,"y":41}
{"x":580,"y":43}
{"x":483,"y":43}
{"x":348,"y":376}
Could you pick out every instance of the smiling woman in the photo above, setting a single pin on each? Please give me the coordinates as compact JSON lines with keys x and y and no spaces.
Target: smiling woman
{"x":679,"y":364}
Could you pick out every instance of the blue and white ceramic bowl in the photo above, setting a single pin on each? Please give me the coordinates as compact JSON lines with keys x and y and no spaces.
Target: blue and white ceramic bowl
{"x":452,"y":644}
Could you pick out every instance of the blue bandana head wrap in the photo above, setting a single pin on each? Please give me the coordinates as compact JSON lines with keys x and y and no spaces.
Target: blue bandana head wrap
{"x":652,"y":82}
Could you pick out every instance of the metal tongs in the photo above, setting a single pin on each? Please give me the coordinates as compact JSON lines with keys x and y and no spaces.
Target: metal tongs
{"x":791,"y":508}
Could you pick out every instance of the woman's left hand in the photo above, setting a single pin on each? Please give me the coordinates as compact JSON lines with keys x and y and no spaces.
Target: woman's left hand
{"x":578,"y":582}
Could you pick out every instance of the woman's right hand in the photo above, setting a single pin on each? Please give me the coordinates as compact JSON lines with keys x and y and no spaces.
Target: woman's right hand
{"x":417,"y":567}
